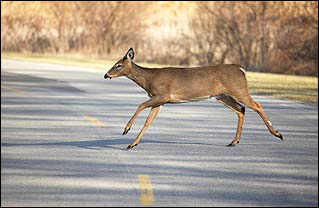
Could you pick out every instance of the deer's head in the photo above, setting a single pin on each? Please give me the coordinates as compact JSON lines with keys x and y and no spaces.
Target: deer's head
{"x":121,"y":67}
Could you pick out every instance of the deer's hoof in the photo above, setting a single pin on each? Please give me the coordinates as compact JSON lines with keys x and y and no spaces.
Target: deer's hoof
{"x":232,"y":144}
{"x":279,"y":135}
{"x":126,"y":131}
{"x":131,"y":146}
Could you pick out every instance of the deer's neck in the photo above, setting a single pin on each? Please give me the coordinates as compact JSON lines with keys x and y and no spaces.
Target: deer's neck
{"x":140,"y":76}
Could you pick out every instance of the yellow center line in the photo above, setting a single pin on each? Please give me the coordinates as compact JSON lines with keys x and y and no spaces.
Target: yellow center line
{"x":94,"y":121}
{"x":146,"y":190}
{"x":13,"y":89}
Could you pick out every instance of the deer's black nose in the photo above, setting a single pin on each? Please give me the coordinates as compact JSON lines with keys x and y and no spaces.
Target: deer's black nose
{"x":106,"y":76}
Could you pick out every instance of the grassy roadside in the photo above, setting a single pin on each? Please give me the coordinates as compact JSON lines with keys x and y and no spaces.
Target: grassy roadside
{"x":299,"y":88}
{"x":68,"y":60}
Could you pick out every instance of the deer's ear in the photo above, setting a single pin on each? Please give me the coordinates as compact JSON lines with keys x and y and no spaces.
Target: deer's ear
{"x":130,"y":54}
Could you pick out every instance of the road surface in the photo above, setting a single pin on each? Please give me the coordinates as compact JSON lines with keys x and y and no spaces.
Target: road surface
{"x":62,"y":145}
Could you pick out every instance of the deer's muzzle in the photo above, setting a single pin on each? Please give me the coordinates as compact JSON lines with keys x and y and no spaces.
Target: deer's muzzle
{"x":107,"y":76}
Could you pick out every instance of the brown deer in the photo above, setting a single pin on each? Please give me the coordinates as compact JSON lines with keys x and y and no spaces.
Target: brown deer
{"x":226,"y":82}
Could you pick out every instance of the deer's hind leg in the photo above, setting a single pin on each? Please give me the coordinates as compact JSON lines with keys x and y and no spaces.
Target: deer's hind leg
{"x":239,"y":109}
{"x":248,"y":101}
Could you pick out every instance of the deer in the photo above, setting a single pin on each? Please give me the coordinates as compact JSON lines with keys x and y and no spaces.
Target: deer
{"x":173,"y":85}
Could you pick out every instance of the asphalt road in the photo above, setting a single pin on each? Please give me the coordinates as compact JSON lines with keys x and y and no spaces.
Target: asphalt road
{"x":61,"y":145}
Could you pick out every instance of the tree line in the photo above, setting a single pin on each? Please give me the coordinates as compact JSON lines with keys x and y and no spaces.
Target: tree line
{"x":280,"y":37}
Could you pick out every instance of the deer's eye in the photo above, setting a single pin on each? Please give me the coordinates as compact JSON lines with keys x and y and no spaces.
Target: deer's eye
{"x":118,"y":66}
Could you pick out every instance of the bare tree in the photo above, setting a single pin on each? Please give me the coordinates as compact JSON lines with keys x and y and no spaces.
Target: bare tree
{"x":92,"y":27}
{"x":239,"y":27}
{"x":201,"y":43}
{"x":256,"y":34}
{"x":297,"y":39}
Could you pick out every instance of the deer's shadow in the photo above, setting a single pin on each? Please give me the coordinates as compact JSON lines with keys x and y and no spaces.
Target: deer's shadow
{"x":105,"y":143}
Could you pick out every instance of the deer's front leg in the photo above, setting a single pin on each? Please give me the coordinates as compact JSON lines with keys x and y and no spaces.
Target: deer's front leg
{"x":153,"y":102}
{"x":148,"y":122}
{"x":131,"y":121}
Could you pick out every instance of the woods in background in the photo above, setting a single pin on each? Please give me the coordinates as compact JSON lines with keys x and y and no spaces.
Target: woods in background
{"x":279,"y":37}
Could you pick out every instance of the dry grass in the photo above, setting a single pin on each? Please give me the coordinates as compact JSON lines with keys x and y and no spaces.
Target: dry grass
{"x":299,"y":88}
